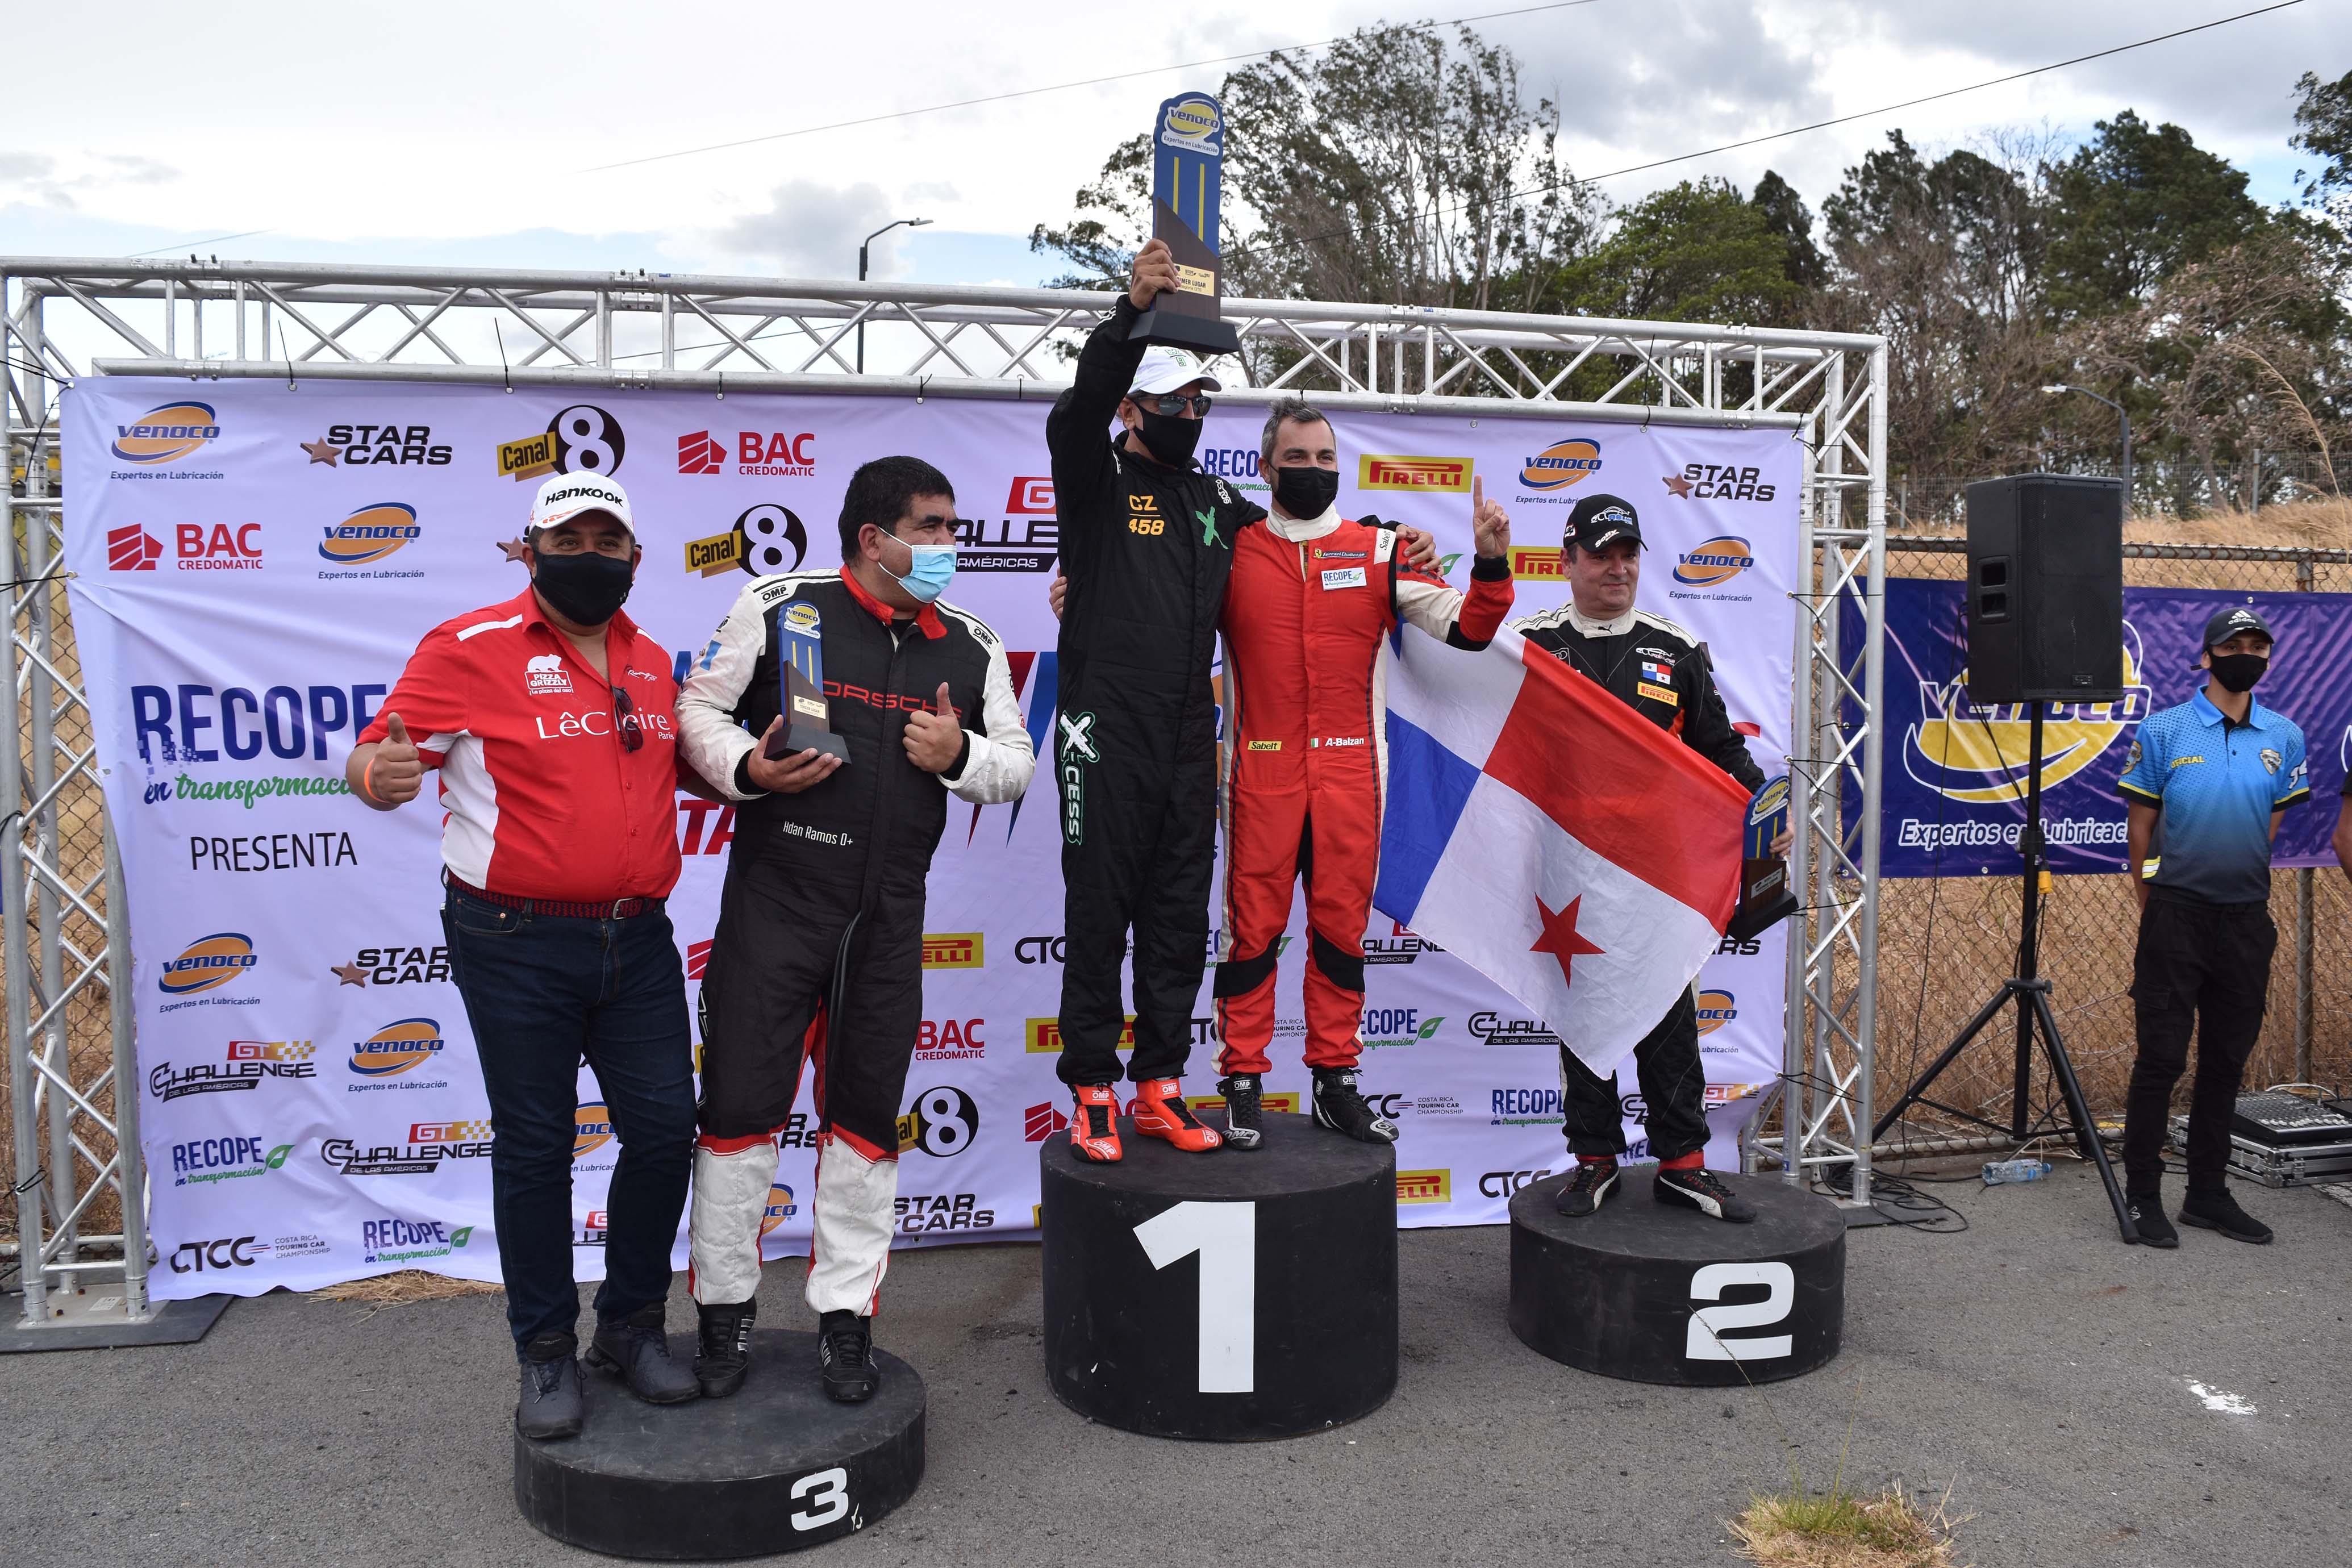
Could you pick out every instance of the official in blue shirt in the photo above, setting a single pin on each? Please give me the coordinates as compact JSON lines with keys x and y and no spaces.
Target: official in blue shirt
{"x":2208,"y":782}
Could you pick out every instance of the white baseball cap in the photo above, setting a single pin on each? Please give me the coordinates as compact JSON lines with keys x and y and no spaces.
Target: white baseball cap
{"x":563,"y":497}
{"x":1167,"y":370}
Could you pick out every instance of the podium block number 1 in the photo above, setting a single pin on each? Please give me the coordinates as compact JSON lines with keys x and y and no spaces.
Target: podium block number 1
{"x":1226,"y":1236}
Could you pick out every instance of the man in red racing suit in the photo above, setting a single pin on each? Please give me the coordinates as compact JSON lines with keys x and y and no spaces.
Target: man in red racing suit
{"x":1311,"y":597}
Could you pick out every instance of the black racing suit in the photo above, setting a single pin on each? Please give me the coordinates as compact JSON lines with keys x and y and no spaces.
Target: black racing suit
{"x":820,"y":937}
{"x":1629,"y":656}
{"x":1147,"y":549}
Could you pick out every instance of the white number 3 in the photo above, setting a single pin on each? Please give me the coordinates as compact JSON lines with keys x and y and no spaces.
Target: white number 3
{"x":829,"y":1490}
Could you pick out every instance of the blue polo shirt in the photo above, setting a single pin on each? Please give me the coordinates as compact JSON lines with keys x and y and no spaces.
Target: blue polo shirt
{"x":2217,"y":784}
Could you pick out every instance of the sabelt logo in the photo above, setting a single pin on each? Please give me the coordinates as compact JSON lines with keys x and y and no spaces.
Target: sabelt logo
{"x":369,"y":535}
{"x":1715,"y":1008}
{"x":1561,"y":465}
{"x":1424,"y":1186}
{"x":780,"y":1206}
{"x":953,"y":949}
{"x":1448,"y":476}
{"x":397,"y":1047}
{"x":1714,"y":563}
{"x":166,"y":433}
{"x":1539,"y":563}
{"x":592,"y":1128}
{"x":208,"y":962}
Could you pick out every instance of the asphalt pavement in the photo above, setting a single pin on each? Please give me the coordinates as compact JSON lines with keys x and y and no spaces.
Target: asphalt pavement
{"x":2085,"y":1403}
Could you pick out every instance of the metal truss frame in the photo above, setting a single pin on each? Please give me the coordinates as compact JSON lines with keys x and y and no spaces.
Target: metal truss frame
{"x":61,"y":318}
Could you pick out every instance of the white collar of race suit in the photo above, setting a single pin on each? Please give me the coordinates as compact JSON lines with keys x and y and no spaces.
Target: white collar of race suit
{"x":1585,"y":626}
{"x":1298,"y":531}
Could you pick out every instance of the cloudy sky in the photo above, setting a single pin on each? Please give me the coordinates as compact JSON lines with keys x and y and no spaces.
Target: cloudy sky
{"x":472,"y":134}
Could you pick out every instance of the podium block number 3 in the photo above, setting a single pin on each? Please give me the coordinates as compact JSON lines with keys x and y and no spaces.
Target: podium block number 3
{"x":1226,"y":1236}
{"x":1707,"y":1323}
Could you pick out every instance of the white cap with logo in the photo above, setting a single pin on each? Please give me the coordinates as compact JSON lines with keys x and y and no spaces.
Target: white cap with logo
{"x":563,"y":497}
{"x":1167,"y":370}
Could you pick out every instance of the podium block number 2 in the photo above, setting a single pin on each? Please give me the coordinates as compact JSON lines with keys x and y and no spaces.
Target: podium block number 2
{"x":1226,"y":1236}
{"x":1706,"y":1323}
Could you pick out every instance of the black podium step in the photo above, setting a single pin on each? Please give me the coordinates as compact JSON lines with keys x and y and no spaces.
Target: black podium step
{"x":1656,"y":1294}
{"x":774,"y":1468}
{"x":1227,"y":1296}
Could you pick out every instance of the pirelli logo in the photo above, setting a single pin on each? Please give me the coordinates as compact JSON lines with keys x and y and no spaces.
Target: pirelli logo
{"x":1424,"y":1186}
{"x":1045,"y":1036}
{"x":952,"y":949}
{"x":1449,"y":476}
{"x":1537,"y":563}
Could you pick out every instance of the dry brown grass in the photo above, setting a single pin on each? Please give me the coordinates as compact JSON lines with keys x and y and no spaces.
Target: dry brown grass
{"x":405,"y":1288}
{"x":1842,"y":1529}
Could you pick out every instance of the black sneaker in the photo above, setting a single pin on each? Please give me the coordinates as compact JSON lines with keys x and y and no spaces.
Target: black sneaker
{"x":844,"y":1357}
{"x":2219,"y":1211}
{"x":1244,"y":1109}
{"x":1340,"y":1107}
{"x":722,"y":1352}
{"x":1594,"y":1180}
{"x":549,"y":1406}
{"x":1703,"y":1190}
{"x":636,"y":1348}
{"x":2149,"y":1221}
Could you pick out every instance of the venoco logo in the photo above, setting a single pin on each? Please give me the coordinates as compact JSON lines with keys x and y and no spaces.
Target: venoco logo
{"x":397,"y":1047}
{"x":369,"y":534}
{"x":1561,"y":465}
{"x":1976,"y":753}
{"x":592,"y":1128}
{"x":208,"y":961}
{"x":166,"y":433}
{"x":780,"y":1206}
{"x":1717,"y":561}
{"x":1715,"y":1008}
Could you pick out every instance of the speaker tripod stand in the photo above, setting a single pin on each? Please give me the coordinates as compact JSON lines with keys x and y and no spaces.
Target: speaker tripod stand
{"x":2031,"y":994}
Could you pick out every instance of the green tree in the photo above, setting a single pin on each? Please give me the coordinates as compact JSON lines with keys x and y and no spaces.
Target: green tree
{"x":2323,"y":121}
{"x":1785,"y":213}
{"x":1698,"y":251}
{"x":2135,"y":205}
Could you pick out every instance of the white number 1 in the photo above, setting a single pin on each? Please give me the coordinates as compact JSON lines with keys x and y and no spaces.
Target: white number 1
{"x":1226,"y":1236}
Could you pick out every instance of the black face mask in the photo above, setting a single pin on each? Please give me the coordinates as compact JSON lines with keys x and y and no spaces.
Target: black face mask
{"x":1305,"y":492}
{"x":586,"y":588}
{"x":1170,"y":437}
{"x":2239,"y":671}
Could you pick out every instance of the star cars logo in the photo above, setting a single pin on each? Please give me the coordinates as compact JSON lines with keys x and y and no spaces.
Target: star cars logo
{"x":1714,"y":563}
{"x":372,"y":445}
{"x":953,"y":949}
{"x":1976,"y":753}
{"x":943,"y":1122}
{"x":394,"y":967}
{"x":1424,"y":1186}
{"x":207,"y":964}
{"x":244,"y":1066}
{"x":1715,"y":1008}
{"x":165,"y":434}
{"x":918,"y":1213}
{"x":397,"y":1047}
{"x":1718,"y":481}
{"x":701,"y":453}
{"x":581,"y":439}
{"x":780,"y":1206}
{"x":1562,"y":465}
{"x":369,"y":535}
{"x":132,"y":548}
{"x":592,"y":1128}
{"x":430,"y":1146}
{"x":1435,"y":475}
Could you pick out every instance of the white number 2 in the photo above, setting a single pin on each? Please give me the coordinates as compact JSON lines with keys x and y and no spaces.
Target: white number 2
{"x":1226,"y":1236}
{"x":1707,"y":1323}
{"x":829,"y":1490}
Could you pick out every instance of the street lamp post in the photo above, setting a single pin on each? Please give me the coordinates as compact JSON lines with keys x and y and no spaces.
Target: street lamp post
{"x":2121,"y":414}
{"x":862,"y":248}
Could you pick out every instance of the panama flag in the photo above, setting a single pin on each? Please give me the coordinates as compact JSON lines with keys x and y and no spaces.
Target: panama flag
{"x":1547,"y":835}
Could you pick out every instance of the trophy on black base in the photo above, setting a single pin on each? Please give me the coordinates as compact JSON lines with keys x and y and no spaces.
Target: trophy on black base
{"x":802,"y":666}
{"x":1765,"y":896}
{"x":1188,"y":157}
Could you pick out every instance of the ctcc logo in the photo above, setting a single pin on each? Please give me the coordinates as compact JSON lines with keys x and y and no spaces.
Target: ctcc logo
{"x":1503,"y":1183}
{"x":229,"y":1252}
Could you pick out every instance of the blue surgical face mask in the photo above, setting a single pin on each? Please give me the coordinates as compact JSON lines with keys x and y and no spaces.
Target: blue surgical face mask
{"x":934,"y":568}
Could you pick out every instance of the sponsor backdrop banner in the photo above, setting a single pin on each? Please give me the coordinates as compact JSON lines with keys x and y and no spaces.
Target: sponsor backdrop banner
{"x":1956,"y":771}
{"x":257,"y":561}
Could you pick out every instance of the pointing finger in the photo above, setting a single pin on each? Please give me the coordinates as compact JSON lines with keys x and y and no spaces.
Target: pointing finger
{"x":1478,"y":493}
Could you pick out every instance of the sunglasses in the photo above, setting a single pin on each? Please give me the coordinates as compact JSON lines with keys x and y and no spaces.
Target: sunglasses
{"x":626,"y":722}
{"x":1174,"y":403}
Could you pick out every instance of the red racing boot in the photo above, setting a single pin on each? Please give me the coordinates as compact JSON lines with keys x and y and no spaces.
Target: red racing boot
{"x":1159,"y":1111}
{"x":1093,"y":1123}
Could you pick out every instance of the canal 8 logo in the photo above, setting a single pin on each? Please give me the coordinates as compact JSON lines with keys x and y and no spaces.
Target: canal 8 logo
{"x":943,"y":1121}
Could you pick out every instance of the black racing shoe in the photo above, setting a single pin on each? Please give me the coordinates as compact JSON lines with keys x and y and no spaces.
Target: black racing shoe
{"x":2219,"y":1211}
{"x":1341,"y":1107}
{"x":1701,"y":1189}
{"x":549,"y":1406}
{"x":1594,"y":1181}
{"x":722,"y":1352}
{"x":2149,"y":1221}
{"x":844,"y":1357}
{"x":1244,"y":1109}
{"x":636,"y":1350}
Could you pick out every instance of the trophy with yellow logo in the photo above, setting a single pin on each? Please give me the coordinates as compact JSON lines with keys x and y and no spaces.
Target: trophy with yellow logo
{"x":1765,"y":897}
{"x":1188,"y":157}
{"x":800,"y":649}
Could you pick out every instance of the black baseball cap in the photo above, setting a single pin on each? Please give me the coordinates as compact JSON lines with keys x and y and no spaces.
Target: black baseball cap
{"x":1601,"y":520}
{"x":2227,"y":624}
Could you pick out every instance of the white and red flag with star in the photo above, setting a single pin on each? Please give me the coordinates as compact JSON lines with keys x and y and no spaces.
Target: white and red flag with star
{"x":1542,"y":831}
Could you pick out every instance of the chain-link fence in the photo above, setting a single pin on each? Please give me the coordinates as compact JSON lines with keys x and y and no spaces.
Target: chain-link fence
{"x":1946,"y":943}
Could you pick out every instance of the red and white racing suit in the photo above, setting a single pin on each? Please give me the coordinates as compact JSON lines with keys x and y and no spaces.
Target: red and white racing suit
{"x":1305,"y":759}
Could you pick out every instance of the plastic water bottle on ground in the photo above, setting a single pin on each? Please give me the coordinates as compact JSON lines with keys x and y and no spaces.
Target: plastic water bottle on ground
{"x":1998,"y":1171}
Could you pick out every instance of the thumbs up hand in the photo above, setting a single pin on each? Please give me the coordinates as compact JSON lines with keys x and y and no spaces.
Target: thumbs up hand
{"x":389,"y":773}
{"x":934,"y":740}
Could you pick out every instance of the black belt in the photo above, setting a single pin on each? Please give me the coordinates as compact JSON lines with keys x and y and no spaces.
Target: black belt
{"x":616,"y":909}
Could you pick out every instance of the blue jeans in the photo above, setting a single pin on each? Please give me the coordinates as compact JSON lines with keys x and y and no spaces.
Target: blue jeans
{"x":542,"y":992}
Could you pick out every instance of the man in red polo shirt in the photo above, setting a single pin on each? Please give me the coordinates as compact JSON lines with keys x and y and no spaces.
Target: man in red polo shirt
{"x":552,"y":720}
